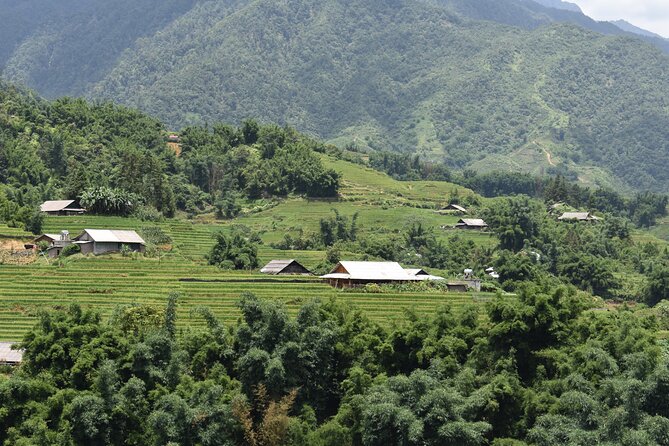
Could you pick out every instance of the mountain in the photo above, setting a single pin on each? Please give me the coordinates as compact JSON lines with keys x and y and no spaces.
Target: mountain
{"x":627,"y":26}
{"x":61,"y":48}
{"x":559,"y":4}
{"x":478,"y":84}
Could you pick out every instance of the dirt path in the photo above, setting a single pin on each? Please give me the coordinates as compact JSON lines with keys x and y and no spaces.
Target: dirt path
{"x":548,"y":154}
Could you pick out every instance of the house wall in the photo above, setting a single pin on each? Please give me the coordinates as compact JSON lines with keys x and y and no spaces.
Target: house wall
{"x":87,"y":248}
{"x":104,"y":248}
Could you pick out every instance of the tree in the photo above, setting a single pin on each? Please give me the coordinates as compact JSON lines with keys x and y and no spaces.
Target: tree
{"x":657,"y":288}
{"x":35,"y":222}
{"x":233,"y":252}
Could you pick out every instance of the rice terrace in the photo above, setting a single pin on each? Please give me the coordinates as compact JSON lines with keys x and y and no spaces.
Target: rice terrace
{"x":106,"y":282}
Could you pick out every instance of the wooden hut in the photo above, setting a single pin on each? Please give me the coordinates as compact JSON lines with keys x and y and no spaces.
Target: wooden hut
{"x":285,"y":268}
{"x":471,"y":224}
{"x":9,"y":356}
{"x":455,"y":209}
{"x":62,"y":207}
{"x":578,"y":216}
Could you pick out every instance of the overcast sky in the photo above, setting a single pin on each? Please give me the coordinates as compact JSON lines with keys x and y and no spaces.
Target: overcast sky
{"x":652,"y":15}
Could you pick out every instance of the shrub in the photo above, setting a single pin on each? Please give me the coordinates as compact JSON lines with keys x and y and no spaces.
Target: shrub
{"x":70,"y":250}
{"x":233,"y":252}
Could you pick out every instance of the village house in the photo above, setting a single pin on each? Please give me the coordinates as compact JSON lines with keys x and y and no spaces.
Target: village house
{"x":9,"y":356}
{"x":62,"y":207}
{"x":56,"y":242}
{"x":348,"y":274}
{"x":455,"y":209}
{"x":578,"y":216}
{"x":103,"y":241}
{"x":285,"y":268}
{"x":471,"y":224}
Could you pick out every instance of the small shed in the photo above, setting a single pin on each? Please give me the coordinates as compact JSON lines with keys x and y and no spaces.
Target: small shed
{"x":62,"y":207}
{"x":456,"y":209}
{"x":458,"y":287}
{"x":47,"y":238}
{"x":285,"y":268}
{"x":578,"y":216}
{"x":56,"y":242}
{"x":9,"y":356}
{"x":471,"y":223}
{"x":103,"y":241}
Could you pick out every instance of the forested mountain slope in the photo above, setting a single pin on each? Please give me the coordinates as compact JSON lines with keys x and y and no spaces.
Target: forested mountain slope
{"x":60,"y":48}
{"x":413,"y":77}
{"x":477,"y":84}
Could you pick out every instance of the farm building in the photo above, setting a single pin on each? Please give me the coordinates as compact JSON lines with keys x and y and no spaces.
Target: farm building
{"x":456,"y":209}
{"x":62,"y":207}
{"x":578,"y":216}
{"x":353,"y":274}
{"x":47,"y":238}
{"x":458,"y":287}
{"x":285,"y":268}
{"x":9,"y":356}
{"x":471,"y":223}
{"x":102,"y":241}
{"x":56,"y":242}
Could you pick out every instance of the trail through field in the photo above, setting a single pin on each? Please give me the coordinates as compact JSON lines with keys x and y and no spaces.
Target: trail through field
{"x":548,"y":154}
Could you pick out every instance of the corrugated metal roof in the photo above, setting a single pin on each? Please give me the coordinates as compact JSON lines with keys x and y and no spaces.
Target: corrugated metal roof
{"x":575,"y":216}
{"x":113,"y":236}
{"x":51,"y":236}
{"x":472,"y":222}
{"x":277,"y":266}
{"x":429,"y":277}
{"x":381,"y":271}
{"x":416,"y":271}
{"x":457,"y":207}
{"x":55,"y":206}
{"x":7,"y":355}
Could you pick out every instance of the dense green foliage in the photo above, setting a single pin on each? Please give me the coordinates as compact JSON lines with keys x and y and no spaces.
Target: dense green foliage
{"x":541,"y":369}
{"x":116,"y":161}
{"x":453,"y":81}
{"x":233,"y":252}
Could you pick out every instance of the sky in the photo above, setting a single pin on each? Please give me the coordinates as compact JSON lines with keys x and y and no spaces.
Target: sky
{"x":652,"y":15}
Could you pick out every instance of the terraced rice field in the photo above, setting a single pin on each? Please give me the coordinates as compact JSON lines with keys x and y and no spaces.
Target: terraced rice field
{"x":384,"y":206}
{"x":104,"y":283}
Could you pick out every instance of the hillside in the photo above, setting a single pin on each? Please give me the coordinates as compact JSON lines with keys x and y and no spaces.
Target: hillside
{"x":424,"y":77}
{"x":589,"y":101}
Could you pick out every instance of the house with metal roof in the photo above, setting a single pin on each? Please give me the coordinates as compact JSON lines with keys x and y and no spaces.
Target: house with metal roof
{"x":62,"y":207}
{"x":56,"y":242}
{"x":578,"y":216}
{"x":285,"y":268}
{"x":455,"y":208}
{"x":9,"y":356}
{"x":471,"y":223}
{"x":103,"y":241}
{"x":349,"y":274}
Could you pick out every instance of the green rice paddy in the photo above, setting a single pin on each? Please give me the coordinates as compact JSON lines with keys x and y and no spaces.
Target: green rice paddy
{"x":383,"y":205}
